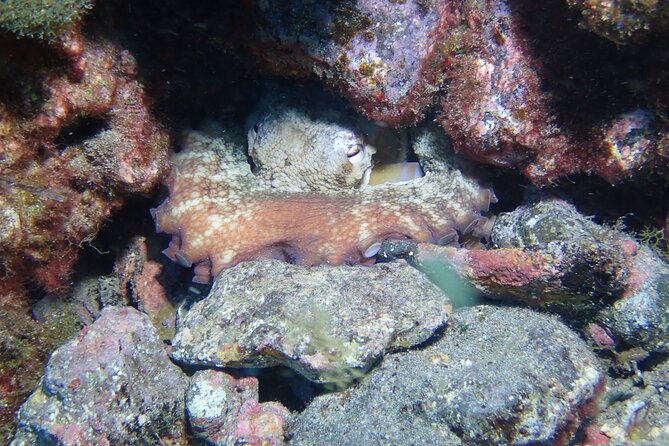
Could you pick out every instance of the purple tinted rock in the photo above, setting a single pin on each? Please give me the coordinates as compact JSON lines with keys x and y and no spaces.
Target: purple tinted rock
{"x":223,"y":411}
{"x":387,"y":57}
{"x":499,"y":376}
{"x":114,"y":384}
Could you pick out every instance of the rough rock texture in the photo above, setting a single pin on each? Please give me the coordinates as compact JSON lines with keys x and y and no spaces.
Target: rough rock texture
{"x":114,"y":384}
{"x":499,"y":376}
{"x":42,"y":19}
{"x":544,"y":222}
{"x":328,"y":323}
{"x":138,"y":279}
{"x":77,"y":139}
{"x":308,"y":142}
{"x":494,"y":108}
{"x":623,"y":21}
{"x":641,"y":316}
{"x":594,"y":261}
{"x":498,"y":110}
{"x":389,"y":52}
{"x":25,"y":346}
{"x":225,"y":411}
{"x":504,"y":99}
{"x":220,"y":214}
{"x":544,"y":252}
{"x":549,"y":253}
{"x":633,"y":414}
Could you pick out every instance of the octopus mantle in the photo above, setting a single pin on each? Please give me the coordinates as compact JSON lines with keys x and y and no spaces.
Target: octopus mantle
{"x":220,"y":214}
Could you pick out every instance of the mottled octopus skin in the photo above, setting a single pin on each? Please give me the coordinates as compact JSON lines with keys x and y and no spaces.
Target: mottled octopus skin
{"x":307,"y":142}
{"x":220,"y":214}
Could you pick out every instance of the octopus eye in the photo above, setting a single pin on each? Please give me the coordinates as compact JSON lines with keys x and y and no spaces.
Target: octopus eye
{"x":355,"y":153}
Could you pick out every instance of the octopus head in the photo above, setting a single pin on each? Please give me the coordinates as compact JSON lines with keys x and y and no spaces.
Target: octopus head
{"x":315,"y":149}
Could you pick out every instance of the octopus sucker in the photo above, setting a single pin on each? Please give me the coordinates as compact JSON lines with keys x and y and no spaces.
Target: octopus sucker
{"x":220,"y":213}
{"x":182,"y":260}
{"x":451,"y":237}
{"x":202,"y":272}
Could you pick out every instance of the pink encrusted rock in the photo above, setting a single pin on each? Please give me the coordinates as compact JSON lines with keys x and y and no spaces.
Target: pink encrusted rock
{"x":498,"y":111}
{"x":223,"y":410}
{"x":501,"y":98}
{"x":387,"y":58}
{"x":114,"y":384}
{"x":73,"y":157}
{"x":139,"y":282}
{"x":545,"y":252}
{"x":494,"y":107}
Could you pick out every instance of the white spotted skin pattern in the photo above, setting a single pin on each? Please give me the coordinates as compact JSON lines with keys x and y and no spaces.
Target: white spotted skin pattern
{"x":220,"y":214}
{"x":296,"y":150}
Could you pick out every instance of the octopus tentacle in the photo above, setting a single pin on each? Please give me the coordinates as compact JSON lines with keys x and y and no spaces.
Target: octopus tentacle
{"x":220,"y":214}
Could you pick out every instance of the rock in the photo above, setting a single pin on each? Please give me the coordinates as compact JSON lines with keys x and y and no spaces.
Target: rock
{"x":88,"y":144}
{"x":114,"y":384}
{"x":641,"y":316}
{"x":599,"y":263}
{"x":386,"y":57}
{"x":623,"y":21}
{"x":498,"y":376}
{"x":548,"y":253}
{"x":636,"y":415}
{"x":544,"y":222}
{"x":544,"y":253}
{"x":329,"y":323}
{"x":140,"y":282}
{"x":225,"y":411}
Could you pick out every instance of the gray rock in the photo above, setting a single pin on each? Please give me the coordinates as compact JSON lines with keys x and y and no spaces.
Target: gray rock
{"x":499,"y":376}
{"x":627,"y":286}
{"x":635,"y":415}
{"x":328,"y":323}
{"x":225,"y":411}
{"x":641,"y":316}
{"x":544,"y":222}
{"x":114,"y":384}
{"x":588,"y":260}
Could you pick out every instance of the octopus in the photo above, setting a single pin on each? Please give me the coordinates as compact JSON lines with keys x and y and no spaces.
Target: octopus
{"x":223,"y":209}
{"x":297,"y":146}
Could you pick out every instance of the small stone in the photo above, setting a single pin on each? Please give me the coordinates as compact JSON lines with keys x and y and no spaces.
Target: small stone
{"x":225,"y":411}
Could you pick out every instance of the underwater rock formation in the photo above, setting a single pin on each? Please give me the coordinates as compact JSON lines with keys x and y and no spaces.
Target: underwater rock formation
{"x":498,"y":110}
{"x":42,"y":19}
{"x":549,"y":253}
{"x":638,"y":419}
{"x":224,"y":411}
{"x":386,"y":58}
{"x":220,"y":214}
{"x":497,"y":91}
{"x":328,"y":323}
{"x":113,"y":384}
{"x":70,"y":158}
{"x":498,"y":376}
{"x":623,"y":21}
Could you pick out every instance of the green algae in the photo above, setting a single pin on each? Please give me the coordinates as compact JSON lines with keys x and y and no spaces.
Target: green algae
{"x":25,"y":347}
{"x":42,"y":19}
